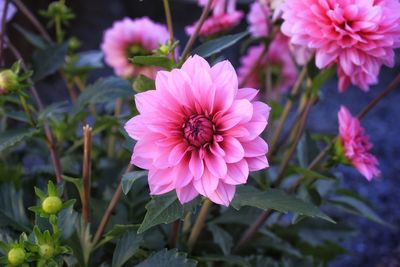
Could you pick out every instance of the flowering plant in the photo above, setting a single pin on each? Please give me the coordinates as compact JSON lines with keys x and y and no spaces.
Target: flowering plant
{"x":180,"y":157}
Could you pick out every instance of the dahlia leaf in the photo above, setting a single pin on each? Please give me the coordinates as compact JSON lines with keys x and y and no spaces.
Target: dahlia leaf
{"x":277,"y":200}
{"x":34,"y":39}
{"x":168,"y":258}
{"x":164,"y":209}
{"x":116,"y":231}
{"x":12,"y":137}
{"x":158,"y":61}
{"x":142,"y":84}
{"x":130,"y":178}
{"x":217,"y":45}
{"x":222,"y":238}
{"x":48,"y":60}
{"x":103,"y":91}
{"x":127,"y":247}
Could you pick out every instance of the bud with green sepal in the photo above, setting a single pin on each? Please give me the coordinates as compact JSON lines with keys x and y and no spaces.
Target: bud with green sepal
{"x":12,"y":79}
{"x":339,"y":156}
{"x":47,"y":248}
{"x":166,"y":49}
{"x":16,"y":254}
{"x":51,"y":203}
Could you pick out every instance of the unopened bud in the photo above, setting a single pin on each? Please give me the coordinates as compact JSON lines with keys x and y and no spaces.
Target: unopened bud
{"x":8,"y":81}
{"x":52,"y":205}
{"x":16,"y":256}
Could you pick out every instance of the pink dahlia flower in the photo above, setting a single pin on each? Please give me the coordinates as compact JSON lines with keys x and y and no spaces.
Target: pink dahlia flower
{"x":10,"y":11}
{"x":358,"y":35}
{"x":197,"y":133}
{"x":258,"y":19}
{"x":128,"y":38}
{"x":356,"y":145}
{"x":278,"y":61}
{"x":224,"y":18}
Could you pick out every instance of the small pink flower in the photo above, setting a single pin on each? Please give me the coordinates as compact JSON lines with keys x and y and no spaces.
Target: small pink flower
{"x":359,"y":36}
{"x":259,"y":19}
{"x":11,"y":9}
{"x":128,"y":38}
{"x":277,"y":59}
{"x":356,"y":145}
{"x":224,"y":18}
{"x":197,"y":133}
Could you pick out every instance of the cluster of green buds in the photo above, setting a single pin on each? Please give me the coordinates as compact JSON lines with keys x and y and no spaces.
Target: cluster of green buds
{"x":43,"y":248}
{"x":58,"y":14}
{"x":12,"y":80}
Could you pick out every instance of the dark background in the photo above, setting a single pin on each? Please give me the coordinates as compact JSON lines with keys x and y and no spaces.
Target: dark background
{"x":375,"y":244}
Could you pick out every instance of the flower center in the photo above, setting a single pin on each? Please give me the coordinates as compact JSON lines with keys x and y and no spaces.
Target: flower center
{"x":198,"y":130}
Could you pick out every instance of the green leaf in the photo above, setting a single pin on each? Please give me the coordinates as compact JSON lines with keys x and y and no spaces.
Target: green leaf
{"x":75,"y":181}
{"x":12,"y":137}
{"x":163,"y":209}
{"x":322,"y":77}
{"x":52,"y":109}
{"x":117,"y":231}
{"x":142,"y":84}
{"x":217,"y":45}
{"x":168,"y":258}
{"x":357,"y":207}
{"x":222,"y":238}
{"x":275,"y":199}
{"x":307,"y":150}
{"x":12,"y":211}
{"x":126,"y":247}
{"x":130,"y":178}
{"x":103,"y":91}
{"x":66,"y":221}
{"x":48,"y":60}
{"x":311,"y":174}
{"x":81,"y":242}
{"x":32,"y":38}
{"x":159,"y":61}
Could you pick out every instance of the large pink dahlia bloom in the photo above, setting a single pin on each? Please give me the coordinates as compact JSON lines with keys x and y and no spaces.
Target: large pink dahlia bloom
{"x":358,"y":35}
{"x":224,"y":18}
{"x":278,"y":61}
{"x":132,"y":37}
{"x":198,"y":133}
{"x":356,"y":145}
{"x":259,"y":19}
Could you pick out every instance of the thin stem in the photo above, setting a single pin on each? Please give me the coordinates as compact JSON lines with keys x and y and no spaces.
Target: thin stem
{"x":49,"y":135}
{"x":286,"y":110}
{"x":168,"y":17}
{"x":27,"y":110}
{"x":3,"y":29}
{"x":110,"y":208}
{"x":251,"y":231}
{"x":199,"y":224}
{"x":195,"y":34}
{"x":86,"y":172}
{"x":59,"y":32}
{"x":174,"y":234}
{"x":296,"y":139}
{"x":113,"y":138}
{"x":392,"y":86}
{"x":31,"y":17}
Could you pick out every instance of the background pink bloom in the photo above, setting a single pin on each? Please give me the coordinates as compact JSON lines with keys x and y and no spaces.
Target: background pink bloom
{"x":356,"y":145}
{"x":357,"y":35}
{"x":130,"y":37}
{"x":198,"y":133}
{"x":259,"y":19}
{"x":224,"y":18}
{"x":278,"y":59}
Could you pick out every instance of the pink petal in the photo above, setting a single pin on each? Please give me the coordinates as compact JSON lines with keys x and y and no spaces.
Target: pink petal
{"x":223,"y":195}
{"x":234,"y":151}
{"x":187,"y":193}
{"x":257,"y":163}
{"x":237,"y":173}
{"x":196,"y":164}
{"x":257,"y":147}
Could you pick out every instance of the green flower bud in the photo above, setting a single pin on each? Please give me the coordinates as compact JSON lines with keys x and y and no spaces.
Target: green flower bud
{"x":339,"y":153}
{"x":16,"y":256}
{"x":8,"y":80}
{"x":52,"y":205}
{"x":164,"y":49}
{"x":46,"y":251}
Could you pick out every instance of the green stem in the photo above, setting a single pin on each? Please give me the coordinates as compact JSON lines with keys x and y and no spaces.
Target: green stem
{"x":27,"y":110}
{"x":199,"y":224}
{"x":59,"y":32}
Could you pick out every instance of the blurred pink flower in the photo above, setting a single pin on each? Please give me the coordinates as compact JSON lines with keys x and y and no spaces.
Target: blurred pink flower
{"x":198,"y":133}
{"x":224,"y":18}
{"x":128,"y":38}
{"x":279,"y":62}
{"x":259,"y":19}
{"x":356,"y":145}
{"x":11,"y":9}
{"x":357,"y":35}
